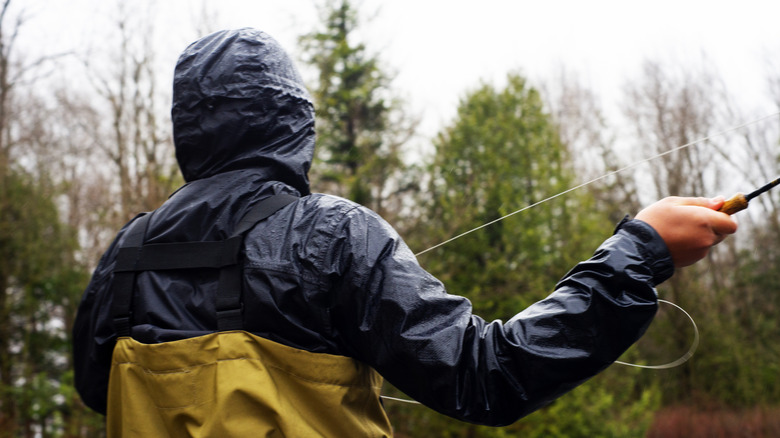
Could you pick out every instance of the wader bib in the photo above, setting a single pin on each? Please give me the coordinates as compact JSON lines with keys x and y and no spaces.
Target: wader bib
{"x":230,"y":383}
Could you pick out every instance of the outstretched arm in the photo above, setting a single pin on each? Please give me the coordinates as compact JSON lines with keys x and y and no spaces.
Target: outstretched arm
{"x":396,"y":317}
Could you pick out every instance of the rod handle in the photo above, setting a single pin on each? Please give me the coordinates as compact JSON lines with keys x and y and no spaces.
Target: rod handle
{"x":734,"y":204}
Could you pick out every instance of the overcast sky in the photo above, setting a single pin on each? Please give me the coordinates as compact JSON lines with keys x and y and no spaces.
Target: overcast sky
{"x":442,"y":48}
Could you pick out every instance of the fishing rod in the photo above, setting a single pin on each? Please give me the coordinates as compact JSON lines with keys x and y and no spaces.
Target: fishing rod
{"x":740,"y":202}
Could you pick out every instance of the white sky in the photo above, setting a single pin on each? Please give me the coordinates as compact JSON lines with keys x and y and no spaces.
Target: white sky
{"x":440,"y":49}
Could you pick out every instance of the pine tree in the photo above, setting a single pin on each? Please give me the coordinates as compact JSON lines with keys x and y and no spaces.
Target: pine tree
{"x":40,"y":282}
{"x":360,"y":126}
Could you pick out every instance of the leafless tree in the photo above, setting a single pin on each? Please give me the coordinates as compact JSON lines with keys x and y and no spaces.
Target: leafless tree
{"x":136,"y":141}
{"x":584,"y":130}
{"x":667,"y":110}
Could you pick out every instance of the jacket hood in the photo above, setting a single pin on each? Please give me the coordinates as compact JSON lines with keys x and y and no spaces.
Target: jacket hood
{"x":240,"y":103}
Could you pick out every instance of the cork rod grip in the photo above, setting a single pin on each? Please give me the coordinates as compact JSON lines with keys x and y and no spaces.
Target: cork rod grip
{"x":734,"y":204}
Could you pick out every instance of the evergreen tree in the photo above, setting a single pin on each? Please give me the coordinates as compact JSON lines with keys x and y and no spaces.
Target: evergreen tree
{"x":360,"y":127}
{"x":40,"y":284}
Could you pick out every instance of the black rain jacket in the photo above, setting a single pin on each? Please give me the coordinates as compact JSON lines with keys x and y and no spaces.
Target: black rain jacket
{"x":329,"y":276}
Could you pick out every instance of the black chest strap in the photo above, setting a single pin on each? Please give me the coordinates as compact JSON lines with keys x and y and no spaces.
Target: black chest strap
{"x":134,"y":256}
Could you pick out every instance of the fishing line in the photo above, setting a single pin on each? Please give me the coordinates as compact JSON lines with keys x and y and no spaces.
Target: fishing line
{"x":403,"y":400}
{"x":606,"y":175}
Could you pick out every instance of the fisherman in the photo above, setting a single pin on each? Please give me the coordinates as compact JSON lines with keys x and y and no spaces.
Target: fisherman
{"x":245,"y":305}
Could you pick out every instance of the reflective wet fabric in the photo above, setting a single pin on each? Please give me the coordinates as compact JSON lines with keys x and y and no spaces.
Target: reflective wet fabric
{"x":234,"y":384}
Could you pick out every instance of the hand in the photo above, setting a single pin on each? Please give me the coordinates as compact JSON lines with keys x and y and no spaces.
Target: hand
{"x":689,"y":226}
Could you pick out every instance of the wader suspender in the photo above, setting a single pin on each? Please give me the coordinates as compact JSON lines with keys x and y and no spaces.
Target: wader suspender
{"x":224,"y":255}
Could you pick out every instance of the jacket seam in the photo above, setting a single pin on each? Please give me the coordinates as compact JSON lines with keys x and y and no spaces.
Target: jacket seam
{"x":331,"y":237}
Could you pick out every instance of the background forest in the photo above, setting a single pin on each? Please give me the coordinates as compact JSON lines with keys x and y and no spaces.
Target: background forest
{"x":82,"y":154}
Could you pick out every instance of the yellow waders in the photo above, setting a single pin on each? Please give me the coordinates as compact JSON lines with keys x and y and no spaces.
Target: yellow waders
{"x":235,"y":384}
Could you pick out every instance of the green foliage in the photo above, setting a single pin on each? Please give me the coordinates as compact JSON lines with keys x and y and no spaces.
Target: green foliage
{"x":614,"y":404}
{"x":503,"y":153}
{"x":40,"y":283}
{"x":740,"y":358}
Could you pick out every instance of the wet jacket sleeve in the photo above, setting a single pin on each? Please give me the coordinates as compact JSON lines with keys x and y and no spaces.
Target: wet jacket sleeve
{"x":400,"y":320}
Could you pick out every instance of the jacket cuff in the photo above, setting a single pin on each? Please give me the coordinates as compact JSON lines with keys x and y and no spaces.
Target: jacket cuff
{"x":651,"y":246}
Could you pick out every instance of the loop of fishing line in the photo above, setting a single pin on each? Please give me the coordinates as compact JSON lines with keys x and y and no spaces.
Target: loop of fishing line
{"x":684,"y":358}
